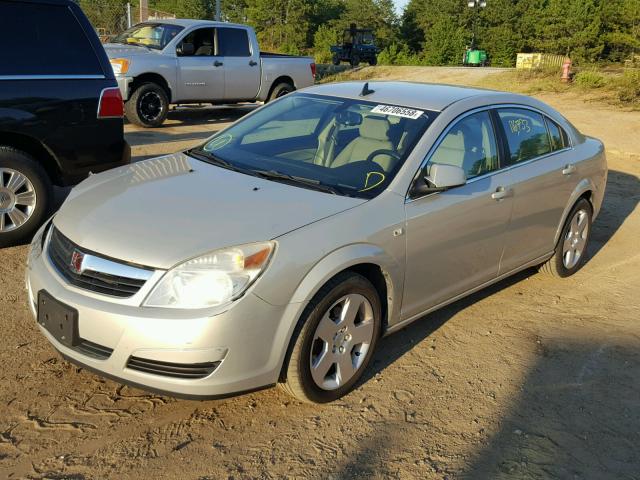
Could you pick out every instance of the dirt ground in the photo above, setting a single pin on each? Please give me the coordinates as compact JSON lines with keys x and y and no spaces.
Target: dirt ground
{"x":532,"y":378}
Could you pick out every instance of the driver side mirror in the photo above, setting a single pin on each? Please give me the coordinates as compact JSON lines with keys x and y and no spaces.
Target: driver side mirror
{"x":440,"y":177}
{"x":185,"y":49}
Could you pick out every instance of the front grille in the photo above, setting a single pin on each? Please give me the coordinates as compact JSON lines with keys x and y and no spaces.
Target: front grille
{"x":61,"y":250}
{"x":93,"y":350}
{"x":190,"y":371}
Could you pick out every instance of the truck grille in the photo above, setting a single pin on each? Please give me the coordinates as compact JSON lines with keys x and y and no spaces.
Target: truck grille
{"x":190,"y":371}
{"x":61,"y":253}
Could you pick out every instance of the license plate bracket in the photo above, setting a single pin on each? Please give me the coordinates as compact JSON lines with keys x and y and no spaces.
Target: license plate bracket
{"x":59,"y":319}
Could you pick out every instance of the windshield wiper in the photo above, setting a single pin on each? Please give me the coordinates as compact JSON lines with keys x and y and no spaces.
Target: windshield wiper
{"x":295,"y":180}
{"x":213,"y":160}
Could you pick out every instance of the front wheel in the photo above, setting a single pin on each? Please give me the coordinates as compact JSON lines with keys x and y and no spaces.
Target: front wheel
{"x":148,"y":106}
{"x":570,"y":254}
{"x":25,"y":196}
{"x":335,"y":341}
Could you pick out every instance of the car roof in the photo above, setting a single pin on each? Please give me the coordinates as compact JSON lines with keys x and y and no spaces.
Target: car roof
{"x":188,"y":22}
{"x":426,"y":96}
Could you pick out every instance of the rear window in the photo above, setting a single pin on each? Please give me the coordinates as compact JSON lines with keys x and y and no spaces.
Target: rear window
{"x":526,"y":134}
{"x":44,"y":40}
{"x":233,"y":42}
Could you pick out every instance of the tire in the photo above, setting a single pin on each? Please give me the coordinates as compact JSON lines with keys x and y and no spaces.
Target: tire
{"x":563,"y":264}
{"x":355,"y":61}
{"x":148,"y":106}
{"x":373,"y":62}
{"x":280,"y":90}
{"x":25,"y":196}
{"x":335,"y":60}
{"x":331,"y":302}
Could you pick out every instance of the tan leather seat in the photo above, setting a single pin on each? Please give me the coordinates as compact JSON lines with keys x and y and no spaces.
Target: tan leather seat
{"x":374,"y":135}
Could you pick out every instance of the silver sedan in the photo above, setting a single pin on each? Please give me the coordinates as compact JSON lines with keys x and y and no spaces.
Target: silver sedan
{"x":282,"y":249}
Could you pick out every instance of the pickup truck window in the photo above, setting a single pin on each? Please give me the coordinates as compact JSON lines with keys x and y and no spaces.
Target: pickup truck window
{"x":44,"y":39}
{"x":350,"y":147}
{"x":203,"y":41}
{"x":233,"y":42}
{"x":151,"y":35}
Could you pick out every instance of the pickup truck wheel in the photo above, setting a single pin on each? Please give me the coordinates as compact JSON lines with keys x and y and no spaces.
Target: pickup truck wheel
{"x":280,"y":90}
{"x":335,"y":340}
{"x":147,"y":106}
{"x":25,"y":195}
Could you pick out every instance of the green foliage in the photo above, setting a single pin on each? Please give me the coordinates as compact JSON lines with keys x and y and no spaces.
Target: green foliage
{"x":323,"y":39}
{"x":589,"y":79}
{"x":628,"y":87}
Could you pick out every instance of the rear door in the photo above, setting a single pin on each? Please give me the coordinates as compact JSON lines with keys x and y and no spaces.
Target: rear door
{"x":200,"y":72}
{"x":455,"y":238}
{"x":241,"y":64}
{"x":543,"y":181}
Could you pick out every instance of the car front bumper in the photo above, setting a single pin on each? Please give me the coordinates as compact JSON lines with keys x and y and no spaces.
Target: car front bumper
{"x":123,"y":84}
{"x":247,"y":341}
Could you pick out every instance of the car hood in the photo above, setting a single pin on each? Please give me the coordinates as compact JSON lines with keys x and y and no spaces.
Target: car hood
{"x":163,"y":211}
{"x":119,"y":50}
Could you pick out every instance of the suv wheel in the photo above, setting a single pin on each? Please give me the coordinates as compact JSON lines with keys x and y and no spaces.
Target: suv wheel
{"x":571,"y":251}
{"x":25,"y":194}
{"x":335,"y":340}
{"x":148,"y":106}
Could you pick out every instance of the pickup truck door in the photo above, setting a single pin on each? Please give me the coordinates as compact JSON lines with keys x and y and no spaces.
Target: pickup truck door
{"x":241,"y":63}
{"x":200,"y":73}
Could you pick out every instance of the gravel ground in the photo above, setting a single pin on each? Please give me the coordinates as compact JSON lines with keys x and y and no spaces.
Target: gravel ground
{"x":532,"y":378}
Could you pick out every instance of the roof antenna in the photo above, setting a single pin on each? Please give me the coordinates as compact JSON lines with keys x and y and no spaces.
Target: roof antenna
{"x":366,"y":91}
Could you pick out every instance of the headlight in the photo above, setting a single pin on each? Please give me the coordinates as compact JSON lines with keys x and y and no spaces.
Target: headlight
{"x":212,"y":279}
{"x":120,"y":65}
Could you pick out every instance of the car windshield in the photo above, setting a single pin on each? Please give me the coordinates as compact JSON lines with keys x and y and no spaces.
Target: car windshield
{"x":343,"y":146}
{"x":152,"y":35}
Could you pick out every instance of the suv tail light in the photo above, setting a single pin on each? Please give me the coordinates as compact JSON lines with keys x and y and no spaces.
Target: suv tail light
{"x":111,"y":104}
{"x":313,"y":70}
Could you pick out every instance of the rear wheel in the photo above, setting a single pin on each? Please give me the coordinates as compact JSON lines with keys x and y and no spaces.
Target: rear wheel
{"x":373,"y":61}
{"x":355,"y":61}
{"x":25,"y":195}
{"x":148,"y":106}
{"x":571,"y":251}
{"x":335,"y":60}
{"x":335,"y":341}
{"x":280,"y":90}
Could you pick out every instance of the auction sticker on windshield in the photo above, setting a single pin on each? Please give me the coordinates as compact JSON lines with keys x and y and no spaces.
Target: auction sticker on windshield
{"x":398,"y":111}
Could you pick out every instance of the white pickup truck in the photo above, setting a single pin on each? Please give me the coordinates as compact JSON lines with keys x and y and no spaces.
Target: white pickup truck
{"x":164,"y":62}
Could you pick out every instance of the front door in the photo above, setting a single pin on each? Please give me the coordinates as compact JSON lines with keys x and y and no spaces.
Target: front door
{"x":455,"y":238}
{"x":241,"y":65}
{"x":200,"y":72}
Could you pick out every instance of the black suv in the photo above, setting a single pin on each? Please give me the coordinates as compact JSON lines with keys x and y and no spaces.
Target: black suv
{"x":61,"y":113}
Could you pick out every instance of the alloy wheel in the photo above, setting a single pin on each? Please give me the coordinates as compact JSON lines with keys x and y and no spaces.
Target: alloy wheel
{"x":17,"y":199}
{"x":341,"y":341}
{"x":575,"y":240}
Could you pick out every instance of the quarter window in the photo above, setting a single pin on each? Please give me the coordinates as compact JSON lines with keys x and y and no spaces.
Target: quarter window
{"x":471,"y":145}
{"x":526,"y":134}
{"x":558,"y":136}
{"x":233,"y":42}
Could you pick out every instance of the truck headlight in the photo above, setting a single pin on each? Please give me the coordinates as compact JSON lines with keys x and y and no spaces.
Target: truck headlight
{"x":120,"y":65}
{"x":212,"y":279}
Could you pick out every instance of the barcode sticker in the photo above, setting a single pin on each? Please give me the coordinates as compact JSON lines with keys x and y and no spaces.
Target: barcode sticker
{"x":398,"y":111}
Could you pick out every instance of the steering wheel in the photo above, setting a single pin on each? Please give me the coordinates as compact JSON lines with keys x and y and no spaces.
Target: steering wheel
{"x":383,"y":151}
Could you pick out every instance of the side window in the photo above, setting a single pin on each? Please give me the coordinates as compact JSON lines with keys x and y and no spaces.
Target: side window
{"x":559,"y":138}
{"x":526,"y":134}
{"x":471,"y":145}
{"x":202,"y":40}
{"x":233,"y":42}
{"x":44,"y":39}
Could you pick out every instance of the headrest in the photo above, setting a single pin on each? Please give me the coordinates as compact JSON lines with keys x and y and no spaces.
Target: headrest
{"x":375,"y":128}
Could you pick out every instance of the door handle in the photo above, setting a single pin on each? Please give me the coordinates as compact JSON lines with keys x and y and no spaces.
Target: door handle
{"x":569,"y":169}
{"x":501,"y":193}
{"x":253,"y":63}
{"x":217,"y":63}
